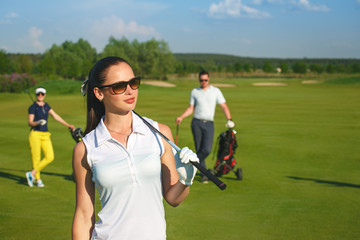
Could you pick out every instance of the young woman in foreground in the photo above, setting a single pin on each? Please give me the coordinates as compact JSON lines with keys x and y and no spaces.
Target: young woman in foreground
{"x":132,"y":168}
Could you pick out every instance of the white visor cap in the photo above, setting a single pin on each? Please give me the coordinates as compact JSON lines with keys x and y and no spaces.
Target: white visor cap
{"x":40,"y":90}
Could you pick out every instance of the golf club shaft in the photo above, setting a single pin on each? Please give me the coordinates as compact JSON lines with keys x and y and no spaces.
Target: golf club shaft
{"x":203,"y":170}
{"x":177,"y":134}
{"x":27,"y":90}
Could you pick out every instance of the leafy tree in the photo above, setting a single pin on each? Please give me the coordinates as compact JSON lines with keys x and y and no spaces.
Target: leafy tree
{"x":5,"y":66}
{"x":151,"y":58}
{"x":70,"y":60}
{"x":299,"y":67}
{"x":284,"y":67}
{"x":268,"y":67}
{"x":191,"y":67}
{"x":355,"y":68}
{"x":47,"y":66}
{"x":330,"y":68}
{"x":24,"y":64}
{"x":83,"y":56}
{"x":340,"y":68}
{"x":120,"y":48}
{"x":237,"y":67}
{"x":316,"y":68}
{"x":210,"y":65}
{"x":247,"y":67}
{"x":155,"y":59}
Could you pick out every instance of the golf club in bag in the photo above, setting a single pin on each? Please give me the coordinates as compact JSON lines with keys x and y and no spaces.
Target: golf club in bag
{"x":226,"y":162}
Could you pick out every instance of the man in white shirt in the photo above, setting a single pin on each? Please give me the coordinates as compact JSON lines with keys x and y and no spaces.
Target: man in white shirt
{"x":203,"y":102}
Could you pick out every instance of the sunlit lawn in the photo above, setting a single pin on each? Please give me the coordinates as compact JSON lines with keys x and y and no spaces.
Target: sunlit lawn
{"x":298,"y":149}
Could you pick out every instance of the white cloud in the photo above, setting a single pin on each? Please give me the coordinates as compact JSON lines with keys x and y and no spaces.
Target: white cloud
{"x":31,"y":42}
{"x":34,"y":35}
{"x":8,"y":17}
{"x":259,"y":2}
{"x":11,"y":15}
{"x":305,"y":4}
{"x":116,"y":27}
{"x":234,"y":9}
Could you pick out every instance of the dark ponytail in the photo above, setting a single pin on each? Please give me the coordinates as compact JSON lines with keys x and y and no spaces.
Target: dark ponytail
{"x":97,"y":76}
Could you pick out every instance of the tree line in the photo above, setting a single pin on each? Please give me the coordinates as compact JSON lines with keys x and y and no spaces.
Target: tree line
{"x":149,"y":59}
{"x":236,"y":64}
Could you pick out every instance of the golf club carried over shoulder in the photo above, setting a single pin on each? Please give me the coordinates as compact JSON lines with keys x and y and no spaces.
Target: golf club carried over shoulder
{"x":177,"y":134}
{"x":203,"y":170}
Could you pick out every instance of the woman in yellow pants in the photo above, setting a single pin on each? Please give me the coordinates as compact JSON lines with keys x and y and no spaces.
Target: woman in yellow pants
{"x":39,"y":137}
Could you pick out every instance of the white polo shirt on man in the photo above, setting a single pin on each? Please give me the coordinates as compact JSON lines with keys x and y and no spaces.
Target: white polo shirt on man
{"x":128,"y":181}
{"x":205,"y":101}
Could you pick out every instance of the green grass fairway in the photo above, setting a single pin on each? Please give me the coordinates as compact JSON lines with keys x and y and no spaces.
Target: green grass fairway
{"x":299,"y":149}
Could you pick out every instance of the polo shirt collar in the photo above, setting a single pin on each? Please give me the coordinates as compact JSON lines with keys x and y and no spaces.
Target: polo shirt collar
{"x":210,"y":87}
{"x":138,"y":125}
{"x":102,"y":134}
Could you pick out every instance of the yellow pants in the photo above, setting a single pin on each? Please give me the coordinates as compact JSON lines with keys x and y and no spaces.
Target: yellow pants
{"x":40,"y":141}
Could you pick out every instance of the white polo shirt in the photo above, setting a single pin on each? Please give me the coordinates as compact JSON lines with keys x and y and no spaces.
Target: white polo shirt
{"x":205,"y":101}
{"x":128,"y":181}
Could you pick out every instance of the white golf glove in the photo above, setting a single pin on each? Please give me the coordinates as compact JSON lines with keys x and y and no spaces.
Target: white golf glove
{"x":185,"y":169}
{"x":42,"y":122}
{"x":230,"y":124}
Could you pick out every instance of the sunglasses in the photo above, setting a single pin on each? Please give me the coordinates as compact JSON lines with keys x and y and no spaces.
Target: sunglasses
{"x":42,"y":94}
{"x":204,"y":80}
{"x":120,"y":87}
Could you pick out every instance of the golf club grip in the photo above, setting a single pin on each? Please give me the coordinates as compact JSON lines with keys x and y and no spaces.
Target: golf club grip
{"x":203,"y":170}
{"x":211,"y":177}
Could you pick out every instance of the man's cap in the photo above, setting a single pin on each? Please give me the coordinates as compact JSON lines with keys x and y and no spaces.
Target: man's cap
{"x":40,"y":90}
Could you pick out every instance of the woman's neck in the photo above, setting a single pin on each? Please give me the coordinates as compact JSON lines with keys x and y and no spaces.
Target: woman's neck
{"x":119,"y":123}
{"x":40,"y":103}
{"x":119,"y":126}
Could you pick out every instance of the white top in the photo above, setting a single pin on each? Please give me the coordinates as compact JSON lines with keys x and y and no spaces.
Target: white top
{"x":205,"y":102}
{"x":128,"y":181}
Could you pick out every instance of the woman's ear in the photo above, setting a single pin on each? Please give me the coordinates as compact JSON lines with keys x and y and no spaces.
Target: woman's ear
{"x":98,"y":94}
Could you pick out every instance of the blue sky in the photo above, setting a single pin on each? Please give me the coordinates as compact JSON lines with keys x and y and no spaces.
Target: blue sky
{"x":248,"y":28}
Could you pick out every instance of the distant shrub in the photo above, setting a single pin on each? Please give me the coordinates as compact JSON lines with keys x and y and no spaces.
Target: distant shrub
{"x":15,"y":82}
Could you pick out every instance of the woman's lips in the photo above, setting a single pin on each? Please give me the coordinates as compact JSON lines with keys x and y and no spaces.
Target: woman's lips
{"x":130,"y":100}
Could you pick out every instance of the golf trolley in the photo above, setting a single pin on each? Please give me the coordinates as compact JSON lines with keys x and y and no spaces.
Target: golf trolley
{"x":225,"y":162}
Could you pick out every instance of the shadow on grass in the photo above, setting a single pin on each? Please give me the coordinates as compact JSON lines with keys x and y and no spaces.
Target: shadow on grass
{"x":5,"y":173}
{"x":334,"y":183}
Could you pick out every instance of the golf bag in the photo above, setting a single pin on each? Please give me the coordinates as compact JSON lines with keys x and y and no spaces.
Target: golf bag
{"x":226,"y":162}
{"x":77,"y":134}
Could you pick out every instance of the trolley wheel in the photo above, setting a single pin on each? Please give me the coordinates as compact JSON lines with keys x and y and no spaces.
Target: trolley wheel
{"x":239,"y":174}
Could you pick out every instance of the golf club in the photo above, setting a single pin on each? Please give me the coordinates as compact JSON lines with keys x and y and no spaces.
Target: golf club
{"x":177,"y":134}
{"x":203,"y":170}
{"x":27,"y":90}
